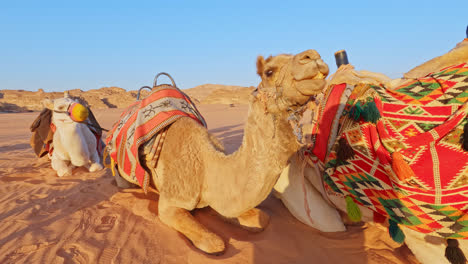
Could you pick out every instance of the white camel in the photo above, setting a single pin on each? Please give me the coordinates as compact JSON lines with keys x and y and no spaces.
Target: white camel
{"x":302,"y":190}
{"x":74,"y":143}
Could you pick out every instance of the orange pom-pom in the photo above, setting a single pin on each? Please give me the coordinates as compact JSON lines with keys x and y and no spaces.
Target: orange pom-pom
{"x":400,"y":167}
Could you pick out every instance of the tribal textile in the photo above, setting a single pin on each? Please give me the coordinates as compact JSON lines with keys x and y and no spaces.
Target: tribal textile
{"x":422,"y":122}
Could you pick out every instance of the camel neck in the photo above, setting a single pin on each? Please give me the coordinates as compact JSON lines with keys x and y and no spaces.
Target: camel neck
{"x":268,"y":138}
{"x":267,"y":145}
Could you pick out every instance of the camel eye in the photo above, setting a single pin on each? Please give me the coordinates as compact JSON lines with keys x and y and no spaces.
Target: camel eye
{"x":61,"y":108}
{"x":269,"y":73}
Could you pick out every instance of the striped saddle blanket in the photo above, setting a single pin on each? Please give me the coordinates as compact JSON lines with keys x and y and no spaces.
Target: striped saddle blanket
{"x":399,"y":152}
{"x":144,"y":122}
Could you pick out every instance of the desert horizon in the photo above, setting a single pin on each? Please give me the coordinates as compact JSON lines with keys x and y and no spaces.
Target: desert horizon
{"x":116,"y":97}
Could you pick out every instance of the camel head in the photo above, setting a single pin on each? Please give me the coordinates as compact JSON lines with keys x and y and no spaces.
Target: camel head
{"x":291,"y":80}
{"x":66,"y":110}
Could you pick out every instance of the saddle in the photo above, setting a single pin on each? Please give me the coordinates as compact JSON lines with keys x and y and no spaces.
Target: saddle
{"x":400,"y":152}
{"x":144,"y":123}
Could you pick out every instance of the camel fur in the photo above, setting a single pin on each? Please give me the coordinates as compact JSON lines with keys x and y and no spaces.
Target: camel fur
{"x":74,"y":143}
{"x":301,"y":189}
{"x":193,"y":170}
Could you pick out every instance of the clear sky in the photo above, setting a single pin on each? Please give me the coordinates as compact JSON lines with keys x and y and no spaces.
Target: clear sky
{"x":61,"y":45}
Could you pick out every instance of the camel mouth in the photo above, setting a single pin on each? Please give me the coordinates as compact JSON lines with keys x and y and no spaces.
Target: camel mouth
{"x":319,"y":76}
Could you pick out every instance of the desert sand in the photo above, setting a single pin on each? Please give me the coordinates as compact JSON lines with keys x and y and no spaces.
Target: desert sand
{"x":85,"y":218}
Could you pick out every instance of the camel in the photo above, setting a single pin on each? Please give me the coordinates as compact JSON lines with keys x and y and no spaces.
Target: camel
{"x":301,"y":185}
{"x":75,"y":142}
{"x":193,"y":170}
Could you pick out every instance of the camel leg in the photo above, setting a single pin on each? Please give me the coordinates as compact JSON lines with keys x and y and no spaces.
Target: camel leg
{"x":254,"y":220}
{"x":182,"y":221}
{"x":95,"y":162}
{"x":60,"y":166}
{"x":79,"y":160}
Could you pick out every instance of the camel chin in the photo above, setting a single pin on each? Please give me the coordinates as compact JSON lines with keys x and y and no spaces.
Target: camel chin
{"x":311,"y":87}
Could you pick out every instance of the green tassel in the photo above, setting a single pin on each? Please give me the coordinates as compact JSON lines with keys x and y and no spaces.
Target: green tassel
{"x":453,"y":253}
{"x":354,"y":213}
{"x":371,"y":112}
{"x":395,"y":232}
{"x":356,"y":111}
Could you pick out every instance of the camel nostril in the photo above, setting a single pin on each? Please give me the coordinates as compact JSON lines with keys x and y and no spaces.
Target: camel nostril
{"x":308,"y":57}
{"x":305,"y":59}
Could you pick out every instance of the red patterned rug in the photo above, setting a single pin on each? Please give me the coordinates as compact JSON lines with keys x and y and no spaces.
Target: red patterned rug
{"x":398,"y":152}
{"x":140,"y":123}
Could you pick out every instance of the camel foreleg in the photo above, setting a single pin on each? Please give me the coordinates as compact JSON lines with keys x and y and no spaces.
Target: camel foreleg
{"x":62,"y":167}
{"x":95,"y":162}
{"x":181,"y":220}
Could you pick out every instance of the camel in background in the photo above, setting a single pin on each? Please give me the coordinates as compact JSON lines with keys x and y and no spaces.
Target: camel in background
{"x":69,"y":133}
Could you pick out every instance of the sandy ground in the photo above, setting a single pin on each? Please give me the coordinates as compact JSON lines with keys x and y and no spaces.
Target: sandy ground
{"x":85,"y":218}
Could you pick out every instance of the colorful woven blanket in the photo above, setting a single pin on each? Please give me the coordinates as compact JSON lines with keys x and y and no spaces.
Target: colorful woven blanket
{"x":140,"y":123}
{"x":398,"y":152}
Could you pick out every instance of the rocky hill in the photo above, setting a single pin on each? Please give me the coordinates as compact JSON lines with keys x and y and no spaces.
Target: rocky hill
{"x":115,"y":97}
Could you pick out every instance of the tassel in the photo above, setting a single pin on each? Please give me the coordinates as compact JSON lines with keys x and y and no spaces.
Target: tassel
{"x":112,"y":167}
{"x":401,"y":168}
{"x":345,"y":151}
{"x":453,"y":253}
{"x":371,"y":112}
{"x":464,"y":137}
{"x":354,"y":213}
{"x":395,"y":232}
{"x":356,"y":112}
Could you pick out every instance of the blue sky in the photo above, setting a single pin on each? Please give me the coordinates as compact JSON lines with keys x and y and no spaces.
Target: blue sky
{"x":61,"y":45}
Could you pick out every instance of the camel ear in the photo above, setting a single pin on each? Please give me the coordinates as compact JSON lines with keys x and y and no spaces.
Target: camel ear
{"x":260,"y":65}
{"x":49,"y":104}
{"x":66,"y":94}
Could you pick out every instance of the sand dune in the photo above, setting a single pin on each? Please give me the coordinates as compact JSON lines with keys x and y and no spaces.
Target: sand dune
{"x":85,"y":218}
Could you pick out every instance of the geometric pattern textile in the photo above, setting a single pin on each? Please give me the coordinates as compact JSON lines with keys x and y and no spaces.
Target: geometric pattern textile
{"x":423,"y":121}
{"x":140,"y":123}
